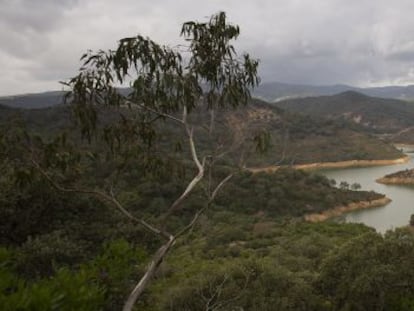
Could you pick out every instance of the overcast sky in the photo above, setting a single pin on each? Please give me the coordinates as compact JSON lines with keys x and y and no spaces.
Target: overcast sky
{"x":357,"y":42}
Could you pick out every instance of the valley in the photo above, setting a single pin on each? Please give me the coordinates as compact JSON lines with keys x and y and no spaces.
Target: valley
{"x":277,"y":213}
{"x":162,"y":184}
{"x":391,"y":216}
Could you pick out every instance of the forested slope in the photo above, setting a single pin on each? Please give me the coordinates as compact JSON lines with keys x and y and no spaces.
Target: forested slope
{"x":376,"y":114}
{"x":252,"y":250}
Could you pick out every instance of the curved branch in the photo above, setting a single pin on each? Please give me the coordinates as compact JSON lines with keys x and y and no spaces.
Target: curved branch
{"x":190,"y":131}
{"x":201,"y":211}
{"x":149,"y":274}
{"x":200,"y":167}
{"x":162,"y":114}
{"x":164,"y":249}
{"x":105,"y":198}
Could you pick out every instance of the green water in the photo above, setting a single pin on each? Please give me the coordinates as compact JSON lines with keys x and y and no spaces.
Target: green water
{"x":395,"y":214}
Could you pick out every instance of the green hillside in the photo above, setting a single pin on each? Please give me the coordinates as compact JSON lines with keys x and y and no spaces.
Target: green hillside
{"x":33,"y":101}
{"x":60,"y":251}
{"x":378,"y":115}
{"x":298,"y":138}
{"x":276,"y":91}
{"x":294,"y":138}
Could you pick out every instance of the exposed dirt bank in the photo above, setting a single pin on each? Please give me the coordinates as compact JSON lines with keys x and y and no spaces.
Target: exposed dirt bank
{"x":396,"y":180}
{"x":399,"y":146}
{"x":340,"y":164}
{"x":339,"y":210}
{"x":403,"y":177}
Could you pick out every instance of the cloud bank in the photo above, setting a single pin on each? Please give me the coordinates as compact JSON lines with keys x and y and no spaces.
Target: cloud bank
{"x":358,"y":42}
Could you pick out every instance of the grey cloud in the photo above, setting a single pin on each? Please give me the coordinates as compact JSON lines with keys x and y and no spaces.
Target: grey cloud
{"x":317,"y":42}
{"x":26,"y":24}
{"x":402,"y":53}
{"x":34,"y":16}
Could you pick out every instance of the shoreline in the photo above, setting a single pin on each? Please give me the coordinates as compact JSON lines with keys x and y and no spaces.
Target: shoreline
{"x":402,"y":145}
{"x":339,"y":164}
{"x":395,"y":181}
{"x":342,"y":209}
{"x":405,"y":147}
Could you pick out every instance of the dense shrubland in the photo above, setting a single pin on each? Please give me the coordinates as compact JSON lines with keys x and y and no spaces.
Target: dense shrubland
{"x":252,"y":250}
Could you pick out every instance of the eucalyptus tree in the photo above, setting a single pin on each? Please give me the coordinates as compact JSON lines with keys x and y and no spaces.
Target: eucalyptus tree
{"x":164,"y":85}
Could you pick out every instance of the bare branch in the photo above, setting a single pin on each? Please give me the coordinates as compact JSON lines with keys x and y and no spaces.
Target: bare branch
{"x":184,"y":119}
{"x":165,"y":115}
{"x":164,"y":249}
{"x":186,"y":192}
{"x":219,"y":186}
{"x":283,"y":155}
{"x":149,"y":274}
{"x":200,"y":166}
{"x":202,"y":210}
{"x":216,"y":295}
{"x":193,"y":149}
{"x":105,"y":198}
{"x":221,"y":305}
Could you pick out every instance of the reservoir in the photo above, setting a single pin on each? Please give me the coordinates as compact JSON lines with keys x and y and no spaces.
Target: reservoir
{"x":395,"y":214}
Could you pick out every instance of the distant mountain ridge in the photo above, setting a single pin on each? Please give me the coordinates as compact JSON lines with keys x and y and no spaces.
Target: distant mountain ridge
{"x":276,"y":91}
{"x":381,"y":115}
{"x":33,"y":101}
{"x":294,"y":138}
{"x":268,"y":91}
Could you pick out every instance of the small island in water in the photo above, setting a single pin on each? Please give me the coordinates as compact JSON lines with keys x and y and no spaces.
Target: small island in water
{"x":404,"y":177}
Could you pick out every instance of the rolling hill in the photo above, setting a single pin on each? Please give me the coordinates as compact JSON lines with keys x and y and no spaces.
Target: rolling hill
{"x":378,"y":115}
{"x":299,"y":139}
{"x":294,"y":138}
{"x":33,"y":101}
{"x":268,"y":91}
{"x":276,"y":91}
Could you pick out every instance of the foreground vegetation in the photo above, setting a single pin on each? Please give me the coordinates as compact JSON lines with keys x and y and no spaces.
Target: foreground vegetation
{"x":252,"y":250}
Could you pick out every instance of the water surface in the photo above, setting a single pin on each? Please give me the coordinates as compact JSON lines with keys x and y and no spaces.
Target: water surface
{"x":395,"y":214}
